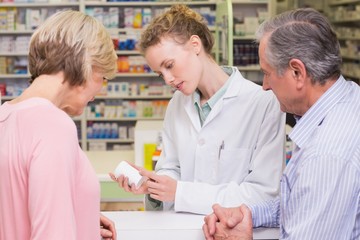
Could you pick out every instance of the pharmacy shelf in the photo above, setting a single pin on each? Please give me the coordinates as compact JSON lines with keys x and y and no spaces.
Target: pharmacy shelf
{"x":252,"y":37}
{"x":349,"y":38}
{"x":45,"y":4}
{"x":350,"y":75}
{"x":155,"y":97}
{"x":12,"y":32}
{"x":127,"y":119}
{"x":346,"y":20}
{"x":110,"y":140}
{"x":13,"y":54}
{"x":130,"y":77}
{"x":247,"y":12}
{"x":343,"y":2}
{"x":136,"y":75}
{"x":249,"y":68}
{"x":147,"y":3}
{"x":19,"y":76}
{"x":125,"y":30}
{"x":7,"y":98}
{"x":128,"y":52}
{"x":250,"y":2}
{"x":354,"y":57}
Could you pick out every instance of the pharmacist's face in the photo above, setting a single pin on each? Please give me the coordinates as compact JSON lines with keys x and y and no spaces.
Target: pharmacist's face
{"x":80,"y":96}
{"x":177,"y":64}
{"x":282,"y":86}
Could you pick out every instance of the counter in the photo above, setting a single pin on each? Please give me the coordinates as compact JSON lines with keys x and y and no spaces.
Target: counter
{"x":165,"y":225}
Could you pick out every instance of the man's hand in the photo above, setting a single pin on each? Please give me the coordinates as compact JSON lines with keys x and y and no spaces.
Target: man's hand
{"x":107,"y":231}
{"x":228,"y":223}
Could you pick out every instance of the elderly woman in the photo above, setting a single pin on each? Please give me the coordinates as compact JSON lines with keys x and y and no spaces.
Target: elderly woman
{"x":48,"y":188}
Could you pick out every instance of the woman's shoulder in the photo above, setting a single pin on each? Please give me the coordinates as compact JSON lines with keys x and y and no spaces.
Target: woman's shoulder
{"x":41,"y":114}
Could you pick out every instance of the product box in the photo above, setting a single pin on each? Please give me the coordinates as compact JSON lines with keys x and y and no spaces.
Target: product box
{"x":113,"y":17}
{"x":99,"y":14}
{"x":97,"y":146}
{"x":124,"y":89}
{"x":123,"y":132}
{"x":146,"y":16}
{"x":137,"y":18}
{"x":33,"y":18}
{"x":129,"y":17}
{"x":3,"y":19}
{"x":145,"y":132}
{"x":251,"y":24}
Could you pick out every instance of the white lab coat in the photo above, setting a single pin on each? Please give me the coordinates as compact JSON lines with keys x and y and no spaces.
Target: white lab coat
{"x":249,"y":123}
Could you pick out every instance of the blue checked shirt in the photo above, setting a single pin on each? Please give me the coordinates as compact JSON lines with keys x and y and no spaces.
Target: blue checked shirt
{"x":320,"y":187}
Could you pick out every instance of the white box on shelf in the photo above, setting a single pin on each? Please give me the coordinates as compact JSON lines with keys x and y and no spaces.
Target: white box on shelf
{"x":97,"y":146}
{"x":145,"y":132}
{"x":251,"y":24}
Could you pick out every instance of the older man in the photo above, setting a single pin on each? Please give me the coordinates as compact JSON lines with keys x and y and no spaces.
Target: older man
{"x":320,"y":187}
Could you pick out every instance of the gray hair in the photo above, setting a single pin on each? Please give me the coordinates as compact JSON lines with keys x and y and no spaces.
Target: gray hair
{"x":304,"y":34}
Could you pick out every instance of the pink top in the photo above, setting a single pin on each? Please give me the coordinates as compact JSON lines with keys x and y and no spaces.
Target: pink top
{"x":48,"y":188}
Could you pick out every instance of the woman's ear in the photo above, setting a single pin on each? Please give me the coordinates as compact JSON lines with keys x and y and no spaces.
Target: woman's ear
{"x":195,"y":43}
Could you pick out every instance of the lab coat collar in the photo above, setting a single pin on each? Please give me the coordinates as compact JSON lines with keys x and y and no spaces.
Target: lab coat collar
{"x":232,"y":91}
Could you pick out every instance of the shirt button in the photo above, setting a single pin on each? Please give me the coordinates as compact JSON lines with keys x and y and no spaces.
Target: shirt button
{"x":201,"y":142}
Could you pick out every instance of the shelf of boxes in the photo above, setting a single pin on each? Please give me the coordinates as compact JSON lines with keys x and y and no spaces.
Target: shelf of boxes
{"x":39,"y":4}
{"x":342,"y":2}
{"x":248,"y":14}
{"x":147,"y":3}
{"x":145,"y":96}
{"x":125,"y":21}
{"x":18,"y":19}
{"x":345,"y":16}
{"x":110,"y":119}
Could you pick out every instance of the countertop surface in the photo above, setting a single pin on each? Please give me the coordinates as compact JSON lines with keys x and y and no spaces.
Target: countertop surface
{"x":165,"y":225}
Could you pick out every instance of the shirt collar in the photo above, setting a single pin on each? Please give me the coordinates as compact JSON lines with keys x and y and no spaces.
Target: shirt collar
{"x":316,"y":114}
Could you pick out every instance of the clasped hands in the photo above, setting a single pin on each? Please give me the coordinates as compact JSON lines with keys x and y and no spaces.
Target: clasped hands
{"x":228,"y":223}
{"x":160,"y":187}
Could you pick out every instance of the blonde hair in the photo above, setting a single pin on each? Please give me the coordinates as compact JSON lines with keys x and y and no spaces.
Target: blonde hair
{"x":180,"y":23}
{"x":74,"y":43}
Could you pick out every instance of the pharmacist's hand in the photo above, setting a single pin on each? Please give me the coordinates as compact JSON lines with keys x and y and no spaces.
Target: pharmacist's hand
{"x":160,"y":187}
{"x":124,"y":183}
{"x":107,"y":231}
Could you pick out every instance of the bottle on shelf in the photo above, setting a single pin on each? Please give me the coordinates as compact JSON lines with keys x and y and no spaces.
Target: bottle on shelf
{"x":157,"y":152}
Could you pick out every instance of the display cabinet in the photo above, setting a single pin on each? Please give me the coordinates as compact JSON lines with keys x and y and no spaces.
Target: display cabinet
{"x":135,"y":94}
{"x":242,"y":18}
{"x":247,"y":17}
{"x":17,"y":22}
{"x":345,"y":17}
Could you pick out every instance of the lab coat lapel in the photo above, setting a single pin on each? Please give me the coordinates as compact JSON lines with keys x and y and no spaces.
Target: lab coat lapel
{"x":192,"y":113}
{"x":231,"y":92}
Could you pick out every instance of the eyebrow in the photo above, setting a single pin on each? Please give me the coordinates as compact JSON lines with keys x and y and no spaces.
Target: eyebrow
{"x":162,"y":63}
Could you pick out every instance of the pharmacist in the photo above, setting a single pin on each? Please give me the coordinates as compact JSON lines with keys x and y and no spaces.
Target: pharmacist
{"x":223,"y":138}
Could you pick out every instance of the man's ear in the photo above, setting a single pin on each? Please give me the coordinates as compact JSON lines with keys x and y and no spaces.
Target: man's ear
{"x":299,"y":73}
